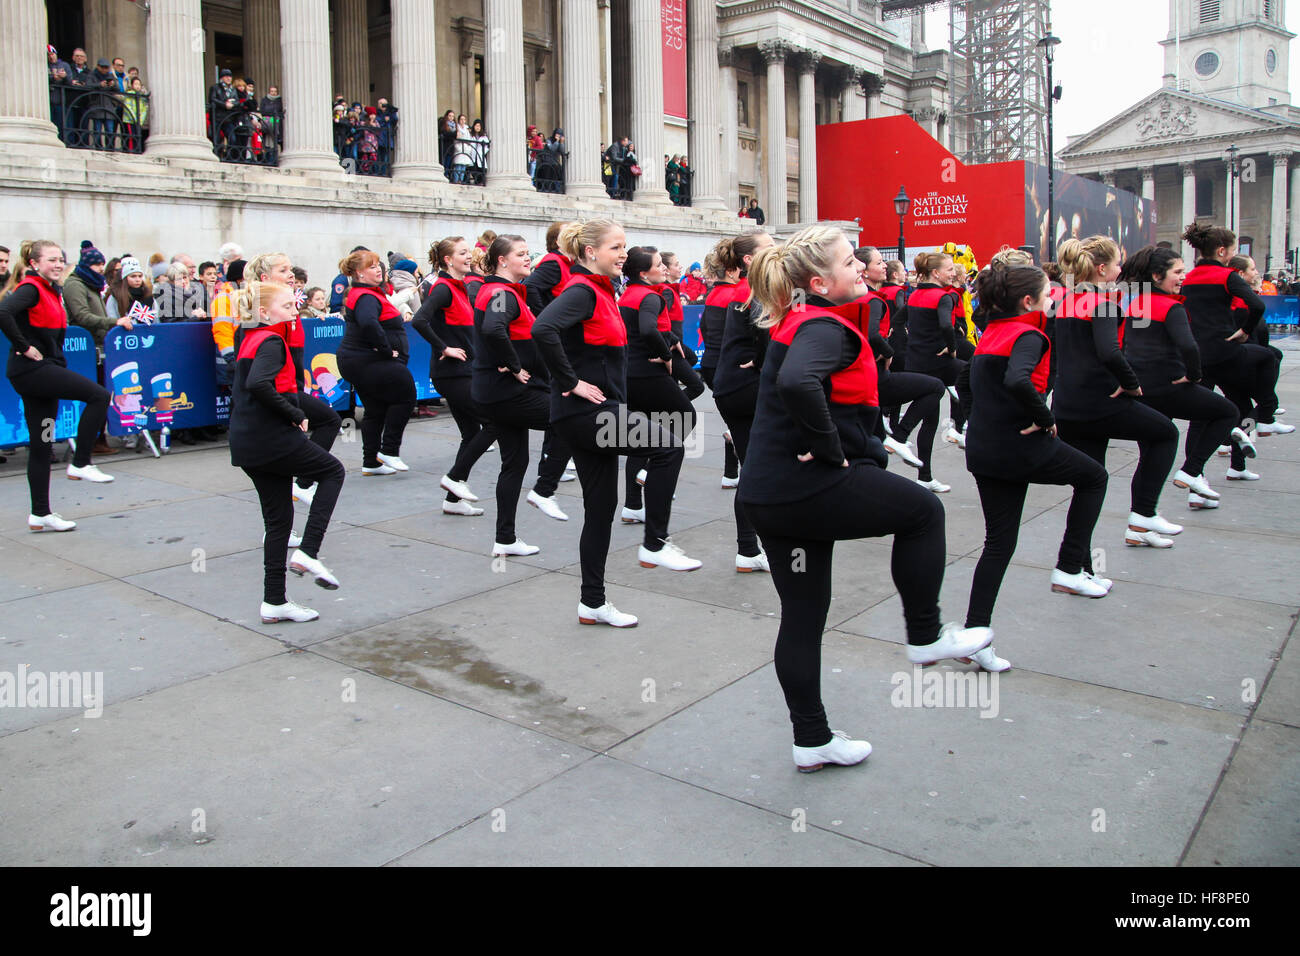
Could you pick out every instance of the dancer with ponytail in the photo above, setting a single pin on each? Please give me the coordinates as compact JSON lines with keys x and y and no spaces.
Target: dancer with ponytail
{"x":34,"y":321}
{"x":713,"y":321}
{"x":510,"y":386}
{"x":446,"y":321}
{"x":323,"y":423}
{"x":814,"y":474}
{"x":735,"y":381}
{"x":921,"y":393}
{"x":1096,"y":388}
{"x":268,"y":439}
{"x":895,"y":292}
{"x":583,"y":341}
{"x":1246,"y":373}
{"x":372,"y":356}
{"x":1159,"y":345}
{"x":932,"y":343}
{"x":646,"y":310}
{"x":683,"y":368}
{"x":1012,"y":444}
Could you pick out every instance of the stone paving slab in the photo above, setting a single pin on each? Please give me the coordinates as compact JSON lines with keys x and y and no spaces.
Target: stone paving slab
{"x":25,"y":571}
{"x":631,"y":817}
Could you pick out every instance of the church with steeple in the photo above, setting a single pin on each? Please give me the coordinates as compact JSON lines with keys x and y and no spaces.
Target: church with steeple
{"x":1220,"y":140}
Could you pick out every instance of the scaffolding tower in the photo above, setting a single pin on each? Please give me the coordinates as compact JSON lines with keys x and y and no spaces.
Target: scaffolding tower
{"x":998,"y":81}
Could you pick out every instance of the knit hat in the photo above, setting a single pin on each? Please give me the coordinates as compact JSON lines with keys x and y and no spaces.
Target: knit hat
{"x":87,"y":244}
{"x":694,"y":266}
{"x":49,"y":48}
{"x":130,"y":266}
{"x":405,"y":265}
{"x":90,"y":256}
{"x":158,"y":269}
{"x":235,"y":271}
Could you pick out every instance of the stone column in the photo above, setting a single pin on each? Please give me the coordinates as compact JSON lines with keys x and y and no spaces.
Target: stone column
{"x":1148,"y":182}
{"x":704,"y":146}
{"x":352,"y":51}
{"x":647,"y":34}
{"x":1189,"y":208}
{"x":308,"y":119}
{"x":853,"y":100}
{"x":413,"y":64}
{"x":503,"y":92}
{"x":874,"y":85}
{"x":262,"y":44}
{"x":1294,"y":223}
{"x":808,"y":135}
{"x":774,"y":53}
{"x":729,"y":111}
{"x":174,"y":46}
{"x":1277,"y":216}
{"x":581,"y":95}
{"x":25,"y":92}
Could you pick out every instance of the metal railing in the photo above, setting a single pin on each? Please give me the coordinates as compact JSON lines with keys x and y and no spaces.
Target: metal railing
{"x":548,"y":171}
{"x":364,"y":149}
{"x":98,"y":118}
{"x":467,"y":162}
{"x":244,"y":136}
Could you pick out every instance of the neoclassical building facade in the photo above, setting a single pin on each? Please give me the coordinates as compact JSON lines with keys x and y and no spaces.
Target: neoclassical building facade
{"x":759,"y":76}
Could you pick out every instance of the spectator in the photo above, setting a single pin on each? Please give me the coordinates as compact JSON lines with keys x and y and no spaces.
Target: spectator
{"x":339,"y":287}
{"x":316,"y":305}
{"x":60,"y":72}
{"x":744,"y":208}
{"x":405,"y":281}
{"x":135,"y":117}
{"x":478,"y":168}
{"x":82,"y":74}
{"x":222,"y":102}
{"x":225,"y":316}
{"x":103,"y":108}
{"x":549,"y":175}
{"x":113,"y":268}
{"x":617,"y":156}
{"x":4,"y":266}
{"x":209,"y":275}
{"x":228,"y":253}
{"x":299,"y":278}
{"x":172,"y":297}
{"x":83,"y":296}
{"x":1267,"y":287}
{"x":462,"y":156}
{"x":755,"y":212}
{"x":693,"y":286}
{"x":535,"y":144}
{"x":272,"y":109}
{"x":673,"y":179}
{"x":128,"y":289}
{"x":485,"y":239}
{"x":684,"y":182}
{"x":197,"y":297}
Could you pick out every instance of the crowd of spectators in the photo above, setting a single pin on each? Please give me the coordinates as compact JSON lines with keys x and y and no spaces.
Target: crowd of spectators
{"x":365,"y":136}
{"x":242,"y":128}
{"x":102,"y":107}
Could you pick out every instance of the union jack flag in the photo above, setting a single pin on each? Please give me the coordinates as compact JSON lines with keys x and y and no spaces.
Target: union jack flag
{"x":141,"y":313}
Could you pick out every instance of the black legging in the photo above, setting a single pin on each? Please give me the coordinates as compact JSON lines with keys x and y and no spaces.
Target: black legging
{"x":737,"y":410}
{"x":799,"y":538}
{"x":388,"y":393}
{"x":477,"y":433}
{"x":323,"y":423}
{"x":40,"y":389}
{"x":1249,"y":380}
{"x":946,"y":370}
{"x":1004,"y":504}
{"x":924,"y":392}
{"x":597,"y":440}
{"x":512,"y":421}
{"x":1211,"y":418}
{"x":664,"y":402}
{"x":730,"y":463}
{"x":272,"y":481}
{"x":1157,"y":440}
{"x":684,"y":372}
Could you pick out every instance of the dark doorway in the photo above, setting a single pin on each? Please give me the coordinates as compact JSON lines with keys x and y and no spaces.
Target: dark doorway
{"x":67,"y":26}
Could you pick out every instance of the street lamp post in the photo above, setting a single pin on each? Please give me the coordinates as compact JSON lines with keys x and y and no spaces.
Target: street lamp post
{"x":1048,"y":45}
{"x":901,"y":203}
{"x":1234,"y":169}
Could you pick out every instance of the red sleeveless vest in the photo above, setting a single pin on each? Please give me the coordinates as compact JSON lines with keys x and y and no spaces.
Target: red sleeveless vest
{"x":854,"y":385}
{"x":1000,"y":336}
{"x":605,"y":327}
{"x":286,"y":380}
{"x":522,"y":327}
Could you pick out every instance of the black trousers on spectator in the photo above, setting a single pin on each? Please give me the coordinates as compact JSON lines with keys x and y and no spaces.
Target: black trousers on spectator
{"x":477,"y":433}
{"x":512,"y":420}
{"x":388,"y":393}
{"x":40,"y":389}
{"x":1157,"y":441}
{"x":730,"y":463}
{"x":1210,"y":417}
{"x":597,"y":440}
{"x":1003,"y":502}
{"x":800,"y":537}
{"x":322,"y":421}
{"x":663,"y":402}
{"x":272,"y":481}
{"x":1249,"y":379}
{"x":924,"y":392}
{"x":737,"y":410}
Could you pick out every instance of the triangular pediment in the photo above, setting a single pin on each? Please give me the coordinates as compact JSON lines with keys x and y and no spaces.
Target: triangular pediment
{"x":1169,"y":116}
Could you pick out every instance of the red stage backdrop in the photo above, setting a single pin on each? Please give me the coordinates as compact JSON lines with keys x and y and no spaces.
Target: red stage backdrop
{"x":674,"y":29}
{"x":861,"y":164}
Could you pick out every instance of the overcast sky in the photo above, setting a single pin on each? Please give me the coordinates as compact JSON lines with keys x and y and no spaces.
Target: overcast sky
{"x":1109,"y":58}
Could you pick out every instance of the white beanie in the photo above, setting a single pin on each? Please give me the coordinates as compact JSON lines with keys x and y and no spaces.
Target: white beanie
{"x":130,"y":266}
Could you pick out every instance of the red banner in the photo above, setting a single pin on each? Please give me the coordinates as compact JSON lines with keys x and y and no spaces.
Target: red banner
{"x":674,"y":29}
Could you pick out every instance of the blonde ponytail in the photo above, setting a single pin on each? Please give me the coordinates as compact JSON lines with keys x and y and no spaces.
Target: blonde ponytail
{"x":575,"y":237}
{"x":30,"y":250}
{"x":777,"y":271}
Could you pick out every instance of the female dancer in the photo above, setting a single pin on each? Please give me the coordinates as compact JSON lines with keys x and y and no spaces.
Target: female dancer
{"x":735,"y":381}
{"x":32,"y":318}
{"x":713,"y":320}
{"x":583,"y":341}
{"x":372,"y":356}
{"x":932,"y":342}
{"x":551,"y":274}
{"x":1246,"y":373}
{"x":1245,"y":267}
{"x":323,"y":422}
{"x":814,"y":474}
{"x":895,"y":291}
{"x":923,"y":392}
{"x":446,"y":321}
{"x":268,"y":439}
{"x":1159,"y":345}
{"x":511,"y":388}
{"x":1012,"y":444}
{"x":1096,"y":386}
{"x":646,"y":309}
{"x":683,"y":367}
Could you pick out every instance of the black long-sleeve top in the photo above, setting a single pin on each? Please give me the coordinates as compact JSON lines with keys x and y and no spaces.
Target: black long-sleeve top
{"x":795,"y":415}
{"x":644,"y":340}
{"x":539,"y":283}
{"x":1090,"y":362}
{"x":560,"y":334}
{"x":22,"y":335}
{"x":743,"y":343}
{"x":264,"y":423}
{"x":929,"y":327}
{"x":494,"y":348}
{"x":363,"y":335}
{"x":999,"y":396}
{"x":1160,"y":348}
{"x":1209,"y":290}
{"x":430,"y":322}
{"x":713,"y":320}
